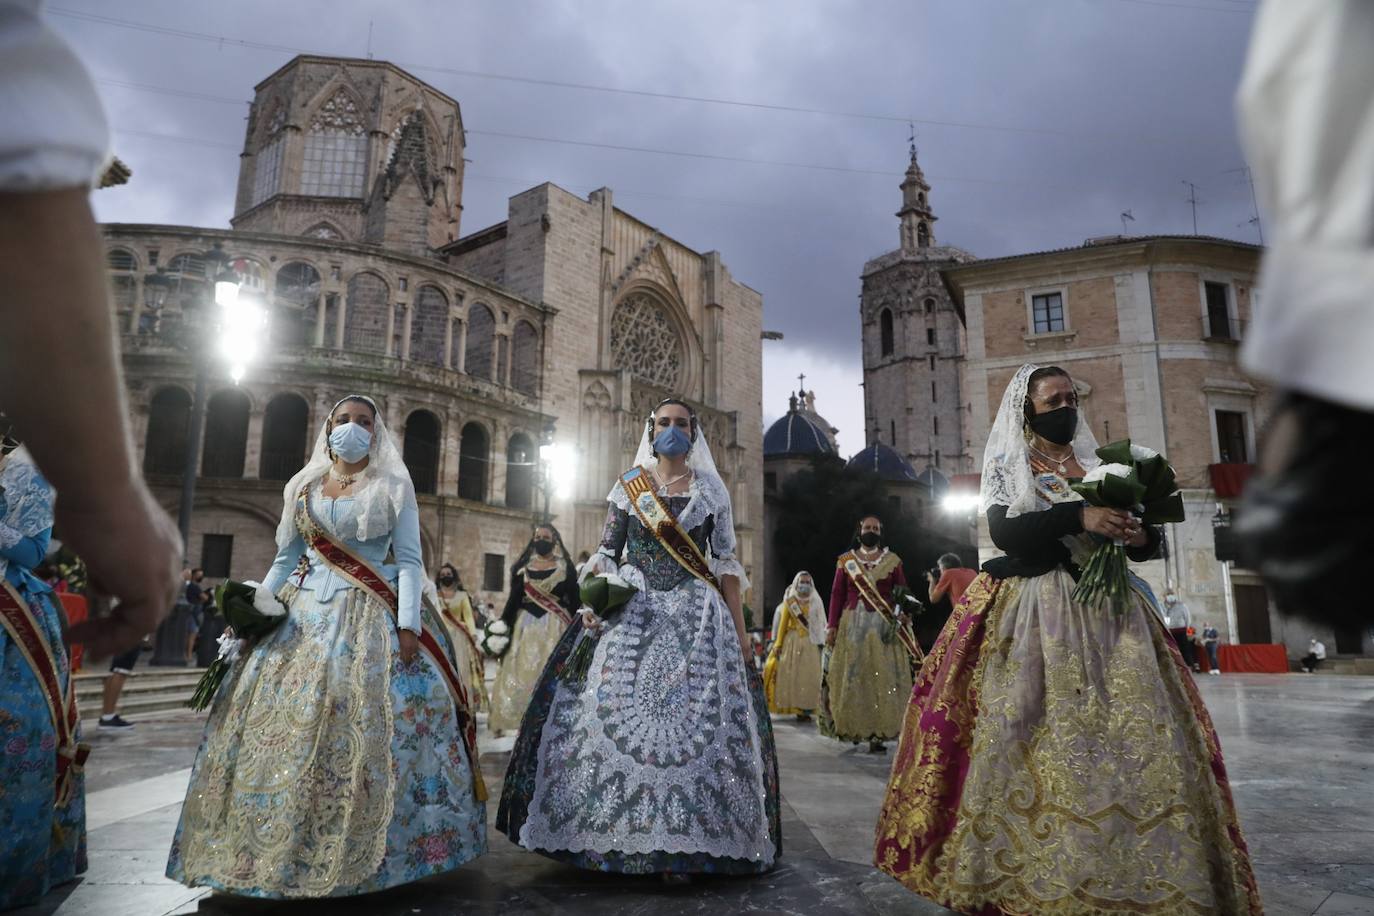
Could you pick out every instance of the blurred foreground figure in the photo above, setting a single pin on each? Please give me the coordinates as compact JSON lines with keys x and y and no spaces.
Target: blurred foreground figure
{"x":1307,"y":120}
{"x":55,"y":315}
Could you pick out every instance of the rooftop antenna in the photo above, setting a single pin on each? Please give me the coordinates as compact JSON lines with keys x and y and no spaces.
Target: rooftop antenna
{"x":1192,"y":199}
{"x":1126,"y":215}
{"x":369,"y":39}
{"x":1254,"y":200}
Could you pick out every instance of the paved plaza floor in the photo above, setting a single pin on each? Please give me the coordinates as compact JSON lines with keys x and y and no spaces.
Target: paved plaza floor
{"x":1300,"y":750}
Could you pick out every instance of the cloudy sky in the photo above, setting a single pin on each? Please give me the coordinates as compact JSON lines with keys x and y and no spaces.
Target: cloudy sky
{"x":1038,"y":123}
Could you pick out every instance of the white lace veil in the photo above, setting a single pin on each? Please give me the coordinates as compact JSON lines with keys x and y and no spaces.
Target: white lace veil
{"x":385,"y":488}
{"x":814,"y":604}
{"x":1007,"y":478}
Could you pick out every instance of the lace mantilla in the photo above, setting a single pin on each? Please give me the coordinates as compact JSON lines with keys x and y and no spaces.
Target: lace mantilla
{"x":25,"y":502}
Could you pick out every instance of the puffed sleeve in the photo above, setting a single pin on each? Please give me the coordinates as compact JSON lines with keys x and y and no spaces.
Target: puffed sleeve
{"x":722,"y":559}
{"x":25,"y":515}
{"x":405,"y":545}
{"x":53,"y":131}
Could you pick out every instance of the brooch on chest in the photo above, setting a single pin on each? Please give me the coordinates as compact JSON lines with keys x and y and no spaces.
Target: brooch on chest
{"x":1052,"y":484}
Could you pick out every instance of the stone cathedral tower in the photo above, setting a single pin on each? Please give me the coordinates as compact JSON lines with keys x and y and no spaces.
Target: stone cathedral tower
{"x":913,"y":340}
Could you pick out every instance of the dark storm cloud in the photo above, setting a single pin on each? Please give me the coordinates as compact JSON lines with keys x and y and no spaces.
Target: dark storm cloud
{"x":1090,"y":107}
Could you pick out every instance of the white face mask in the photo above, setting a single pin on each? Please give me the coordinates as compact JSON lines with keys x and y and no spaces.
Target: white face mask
{"x":350,"y":442}
{"x":803,"y":588}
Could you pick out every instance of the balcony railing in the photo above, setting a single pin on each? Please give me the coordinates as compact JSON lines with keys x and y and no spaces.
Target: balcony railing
{"x":1222,"y":329}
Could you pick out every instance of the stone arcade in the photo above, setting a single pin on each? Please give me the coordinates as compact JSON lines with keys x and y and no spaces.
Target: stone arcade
{"x":568,"y":320}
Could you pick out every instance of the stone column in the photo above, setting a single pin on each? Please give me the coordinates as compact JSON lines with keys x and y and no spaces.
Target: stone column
{"x":391,"y":329}
{"x":136,"y":312}
{"x":321,"y":314}
{"x":449,"y":445}
{"x":462,"y":346}
{"x":139,"y":417}
{"x":342,"y":316}
{"x":252,"y":459}
{"x":406,"y":323}
{"x":448,"y":343}
{"x":496,"y":484}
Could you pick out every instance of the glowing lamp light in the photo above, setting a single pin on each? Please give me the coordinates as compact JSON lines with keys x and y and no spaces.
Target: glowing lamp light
{"x":560,"y":468}
{"x":960,"y":503}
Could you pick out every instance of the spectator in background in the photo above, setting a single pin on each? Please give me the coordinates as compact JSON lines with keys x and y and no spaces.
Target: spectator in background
{"x":954,"y":579}
{"x":1178,"y":619}
{"x":1316,"y":652}
{"x":54,"y":143}
{"x":1211,"y":638}
{"x":198,"y":595}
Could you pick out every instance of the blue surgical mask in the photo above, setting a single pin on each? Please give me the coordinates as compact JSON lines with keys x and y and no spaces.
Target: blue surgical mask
{"x":672,"y":442}
{"x":350,"y":442}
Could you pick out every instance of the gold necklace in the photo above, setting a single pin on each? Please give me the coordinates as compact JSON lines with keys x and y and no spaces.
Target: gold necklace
{"x":1055,"y":461}
{"x":344,"y":480}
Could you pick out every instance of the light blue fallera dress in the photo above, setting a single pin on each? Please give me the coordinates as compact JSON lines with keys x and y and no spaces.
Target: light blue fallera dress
{"x":329,"y":767}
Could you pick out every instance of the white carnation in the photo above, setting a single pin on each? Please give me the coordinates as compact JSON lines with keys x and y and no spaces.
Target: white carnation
{"x":264,"y":602}
{"x":497,"y":644}
{"x":1141,"y":453}
{"x":498,"y":628}
{"x":1103,"y":470}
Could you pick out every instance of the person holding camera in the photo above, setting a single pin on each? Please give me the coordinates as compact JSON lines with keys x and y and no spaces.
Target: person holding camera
{"x":949,"y":577}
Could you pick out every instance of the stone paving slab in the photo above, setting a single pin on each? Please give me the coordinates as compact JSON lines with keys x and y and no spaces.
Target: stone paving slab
{"x":1300,"y":751}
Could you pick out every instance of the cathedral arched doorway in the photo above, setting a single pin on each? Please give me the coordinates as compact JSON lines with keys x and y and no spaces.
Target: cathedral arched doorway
{"x":169,"y":420}
{"x":473,"y":456}
{"x":226,"y":434}
{"x":284,"y":436}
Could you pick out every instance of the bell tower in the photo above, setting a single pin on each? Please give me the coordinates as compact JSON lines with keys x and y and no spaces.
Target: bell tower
{"x":917,"y":221}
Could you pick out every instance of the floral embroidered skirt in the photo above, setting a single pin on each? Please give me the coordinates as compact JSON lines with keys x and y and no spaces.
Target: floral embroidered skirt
{"x":663,"y":761}
{"x":868,"y":681}
{"x":329,"y":767}
{"x":792,"y":676}
{"x":532,"y":642}
{"x":1056,"y":758}
{"x":43,"y":846}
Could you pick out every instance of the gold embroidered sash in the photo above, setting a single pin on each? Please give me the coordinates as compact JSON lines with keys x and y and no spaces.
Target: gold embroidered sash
{"x":357,"y":571}
{"x":546,"y":601}
{"x":661,"y":523}
{"x":794,"y":609}
{"x":24,"y":630}
{"x":868,"y":591}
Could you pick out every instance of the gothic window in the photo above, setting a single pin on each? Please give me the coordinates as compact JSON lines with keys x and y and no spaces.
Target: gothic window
{"x":421,"y":451}
{"x":481,"y":341}
{"x":645,"y":341}
{"x":502,"y":359}
{"x":189,"y":265}
{"x":935,"y":424}
{"x":366,"y":313}
{"x":284,"y":430}
{"x":885,"y":331}
{"x":323,"y":231}
{"x":929,"y":306}
{"x":335,"y":161}
{"x":472,"y":463}
{"x":524,"y":370}
{"x":930,"y":336}
{"x":267,"y":169}
{"x":427,"y":326}
{"x":226,"y":434}
{"x":169,"y":418}
{"x":519,"y":472}
{"x":922,"y":236}
{"x":298,"y":284}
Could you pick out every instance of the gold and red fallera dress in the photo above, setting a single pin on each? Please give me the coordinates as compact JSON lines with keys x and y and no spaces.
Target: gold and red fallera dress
{"x":1056,"y":758}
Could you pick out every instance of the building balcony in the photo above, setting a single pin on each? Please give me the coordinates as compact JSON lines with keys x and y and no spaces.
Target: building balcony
{"x":1219,"y":329}
{"x":1229,"y":479}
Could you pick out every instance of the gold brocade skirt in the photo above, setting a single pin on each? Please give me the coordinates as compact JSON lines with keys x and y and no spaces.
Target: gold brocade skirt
{"x":869,"y":680}
{"x":1057,"y":759}
{"x":471,"y":664}
{"x":532,"y":642}
{"x":794,"y":683}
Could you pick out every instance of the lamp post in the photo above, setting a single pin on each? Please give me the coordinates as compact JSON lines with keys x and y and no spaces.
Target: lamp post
{"x":557,"y":469}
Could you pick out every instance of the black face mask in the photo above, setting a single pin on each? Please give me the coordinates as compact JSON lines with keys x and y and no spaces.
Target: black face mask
{"x":870,"y":539}
{"x":447,"y":580}
{"x":1057,"y":426}
{"x":543,"y":548}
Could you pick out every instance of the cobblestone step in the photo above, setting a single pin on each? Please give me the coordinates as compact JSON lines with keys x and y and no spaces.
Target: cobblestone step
{"x":148,"y":690}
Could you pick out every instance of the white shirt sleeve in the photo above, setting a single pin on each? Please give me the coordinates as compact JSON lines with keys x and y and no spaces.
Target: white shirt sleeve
{"x":53,"y":131}
{"x":1306,"y":106}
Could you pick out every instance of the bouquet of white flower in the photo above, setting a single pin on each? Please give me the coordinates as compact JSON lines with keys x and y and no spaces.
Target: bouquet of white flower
{"x":602,"y":596}
{"x":1136,"y":479}
{"x":251,"y":612}
{"x":495,"y":638}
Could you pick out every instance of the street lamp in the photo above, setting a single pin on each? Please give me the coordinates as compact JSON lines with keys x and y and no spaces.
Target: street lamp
{"x":960,"y":503}
{"x":557,"y":469}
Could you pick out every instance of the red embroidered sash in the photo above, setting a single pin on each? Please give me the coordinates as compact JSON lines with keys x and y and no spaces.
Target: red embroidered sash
{"x":662,"y":524}
{"x":868,"y":591}
{"x":28,"y":636}
{"x":794,"y":608}
{"x":546,"y":601}
{"x":357,"y":571}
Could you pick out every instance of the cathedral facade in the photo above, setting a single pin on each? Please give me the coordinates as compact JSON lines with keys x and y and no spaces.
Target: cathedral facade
{"x":562,"y":325}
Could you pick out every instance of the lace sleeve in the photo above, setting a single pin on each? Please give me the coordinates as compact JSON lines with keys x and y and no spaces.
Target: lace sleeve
{"x":613,"y":536}
{"x":25,"y":515}
{"x":723,"y":562}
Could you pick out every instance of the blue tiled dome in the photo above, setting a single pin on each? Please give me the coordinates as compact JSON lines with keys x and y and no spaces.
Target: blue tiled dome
{"x":934,"y":479}
{"x":796,"y":434}
{"x":883,"y":461}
